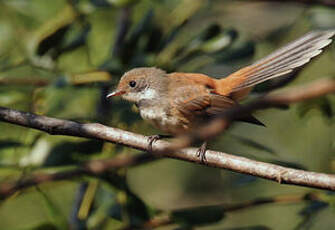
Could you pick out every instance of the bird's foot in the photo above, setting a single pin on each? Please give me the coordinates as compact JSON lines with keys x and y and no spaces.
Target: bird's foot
{"x":280,"y":175}
{"x":152,"y":139}
{"x":201,"y":152}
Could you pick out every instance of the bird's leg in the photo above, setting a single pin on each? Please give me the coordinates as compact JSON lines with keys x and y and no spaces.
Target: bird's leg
{"x":201,"y":152}
{"x":153,"y":138}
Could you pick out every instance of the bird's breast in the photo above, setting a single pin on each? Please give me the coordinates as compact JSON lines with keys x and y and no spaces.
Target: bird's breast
{"x":162,"y":119}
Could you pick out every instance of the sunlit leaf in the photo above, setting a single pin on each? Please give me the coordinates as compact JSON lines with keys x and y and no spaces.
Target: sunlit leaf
{"x":90,"y":77}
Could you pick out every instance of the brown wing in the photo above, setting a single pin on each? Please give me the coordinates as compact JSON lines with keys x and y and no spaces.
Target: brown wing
{"x":194,"y":97}
{"x":210,"y":105}
{"x":279,"y":63}
{"x":206,"y":105}
{"x":195,"y":101}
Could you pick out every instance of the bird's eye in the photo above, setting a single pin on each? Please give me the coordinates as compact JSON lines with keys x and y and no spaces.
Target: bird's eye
{"x":132,"y":83}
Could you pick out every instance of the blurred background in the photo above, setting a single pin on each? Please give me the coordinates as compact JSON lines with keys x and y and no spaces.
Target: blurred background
{"x":59,"y":58}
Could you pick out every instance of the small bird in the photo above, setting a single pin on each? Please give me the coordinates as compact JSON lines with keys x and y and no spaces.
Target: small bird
{"x":178,"y":102}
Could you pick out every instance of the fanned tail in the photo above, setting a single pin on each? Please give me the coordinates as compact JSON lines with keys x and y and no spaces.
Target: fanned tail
{"x":278,"y":63}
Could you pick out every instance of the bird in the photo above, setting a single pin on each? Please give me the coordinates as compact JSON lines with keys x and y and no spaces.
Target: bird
{"x":178,"y":102}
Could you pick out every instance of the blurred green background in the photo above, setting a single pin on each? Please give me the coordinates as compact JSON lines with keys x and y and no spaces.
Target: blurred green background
{"x":59,"y":58}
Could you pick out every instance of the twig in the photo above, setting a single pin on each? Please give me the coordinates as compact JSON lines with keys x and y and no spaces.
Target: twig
{"x":164,"y":220}
{"x":163,"y":148}
{"x":24,"y":82}
{"x":92,"y":168}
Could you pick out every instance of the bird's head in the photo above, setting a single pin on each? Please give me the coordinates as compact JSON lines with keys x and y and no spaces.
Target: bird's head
{"x":140,"y":83}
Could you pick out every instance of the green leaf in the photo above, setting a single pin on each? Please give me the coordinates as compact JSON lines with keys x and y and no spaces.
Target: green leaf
{"x":51,"y":33}
{"x":54,"y":213}
{"x":219,"y":42}
{"x":136,"y":209}
{"x":322,"y":104}
{"x":238,"y":50}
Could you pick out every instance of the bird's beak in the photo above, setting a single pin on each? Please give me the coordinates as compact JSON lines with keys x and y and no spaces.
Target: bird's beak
{"x":115,"y":93}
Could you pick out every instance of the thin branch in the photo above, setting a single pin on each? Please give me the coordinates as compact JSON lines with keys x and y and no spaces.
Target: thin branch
{"x":165,"y":220}
{"x":163,"y":148}
{"x":24,"y":82}
{"x":93,"y":168}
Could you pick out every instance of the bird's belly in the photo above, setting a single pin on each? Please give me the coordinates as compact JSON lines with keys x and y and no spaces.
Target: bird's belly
{"x":162,"y":120}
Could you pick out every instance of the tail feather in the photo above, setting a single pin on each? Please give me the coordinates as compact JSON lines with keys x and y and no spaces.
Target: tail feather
{"x":279,"y":63}
{"x":251,"y":119}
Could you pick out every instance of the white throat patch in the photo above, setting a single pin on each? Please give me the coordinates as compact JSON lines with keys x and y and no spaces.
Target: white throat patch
{"x":147,"y":94}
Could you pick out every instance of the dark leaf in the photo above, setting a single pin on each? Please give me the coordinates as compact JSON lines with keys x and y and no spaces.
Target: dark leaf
{"x":253,"y":144}
{"x":198,"y":215}
{"x":136,"y":209}
{"x":309,"y":214}
{"x":132,"y":206}
{"x":45,"y":226}
{"x":260,"y":227}
{"x":52,"y":41}
{"x":101,"y":3}
{"x":239,"y":50}
{"x":9,"y":144}
{"x":131,"y":45}
{"x":313,"y":207}
{"x":154,"y":40}
{"x":289,"y":164}
{"x":210,"y":32}
{"x":75,"y":221}
{"x":184,"y":228}
{"x":115,"y":211}
{"x":70,"y":152}
{"x":242,"y":180}
{"x":78,"y":38}
{"x":323,"y":104}
{"x":171,"y":35}
{"x":212,"y":41}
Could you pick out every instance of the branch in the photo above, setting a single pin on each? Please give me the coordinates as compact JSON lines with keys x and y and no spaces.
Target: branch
{"x":226,"y":208}
{"x":93,"y":168}
{"x":24,"y":82}
{"x":163,"y":148}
